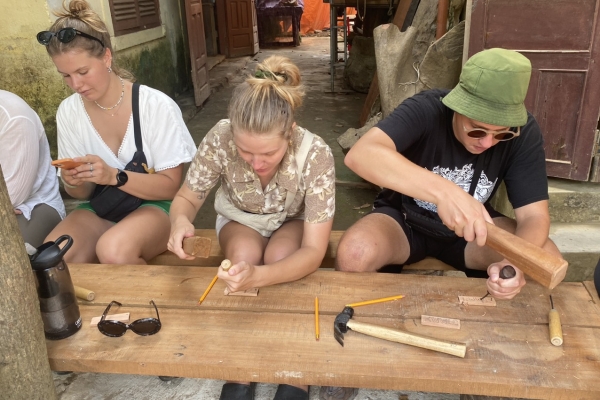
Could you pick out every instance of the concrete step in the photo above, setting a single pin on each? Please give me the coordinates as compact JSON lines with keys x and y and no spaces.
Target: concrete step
{"x":579,"y":244}
{"x":572,"y":201}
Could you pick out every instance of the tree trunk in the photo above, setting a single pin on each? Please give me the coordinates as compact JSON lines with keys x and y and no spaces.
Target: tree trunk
{"x":24,"y":368}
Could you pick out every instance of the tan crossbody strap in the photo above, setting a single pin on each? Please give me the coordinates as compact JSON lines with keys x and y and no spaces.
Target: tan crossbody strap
{"x":301,"y":156}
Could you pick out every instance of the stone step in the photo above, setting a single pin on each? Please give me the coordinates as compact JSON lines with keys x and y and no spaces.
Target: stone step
{"x":579,"y":244}
{"x":572,"y":201}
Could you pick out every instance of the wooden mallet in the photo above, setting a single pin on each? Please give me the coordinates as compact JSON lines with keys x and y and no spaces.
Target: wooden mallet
{"x":344,"y":321}
{"x":535,"y":262}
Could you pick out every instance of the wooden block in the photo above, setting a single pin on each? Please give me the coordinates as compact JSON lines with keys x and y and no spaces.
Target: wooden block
{"x":476,"y":301}
{"x":248,"y":293}
{"x":124,"y":317}
{"x":197,"y":246}
{"x":441,"y":322}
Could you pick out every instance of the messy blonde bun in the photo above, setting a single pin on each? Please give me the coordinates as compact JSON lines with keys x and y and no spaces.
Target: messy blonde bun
{"x":267,"y":100}
{"x":78,"y":14}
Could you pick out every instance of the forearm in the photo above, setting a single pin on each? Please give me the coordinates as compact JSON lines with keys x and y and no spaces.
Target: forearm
{"x":182,"y":209}
{"x":157,"y":186}
{"x":375,"y":160}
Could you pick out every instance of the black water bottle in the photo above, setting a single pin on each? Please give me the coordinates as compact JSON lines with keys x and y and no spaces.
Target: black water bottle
{"x":58,"y":304}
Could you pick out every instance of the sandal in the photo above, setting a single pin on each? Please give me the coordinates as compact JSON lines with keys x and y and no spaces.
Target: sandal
{"x":288,"y":392}
{"x":237,"y":391}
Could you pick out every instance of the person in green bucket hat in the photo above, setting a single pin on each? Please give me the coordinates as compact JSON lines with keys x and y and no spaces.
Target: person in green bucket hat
{"x":440,"y":157}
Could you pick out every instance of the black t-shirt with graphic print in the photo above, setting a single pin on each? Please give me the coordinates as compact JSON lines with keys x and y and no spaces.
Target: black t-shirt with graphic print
{"x":421,"y":128}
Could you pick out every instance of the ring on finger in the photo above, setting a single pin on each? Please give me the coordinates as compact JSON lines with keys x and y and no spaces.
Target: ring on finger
{"x":91,"y":167}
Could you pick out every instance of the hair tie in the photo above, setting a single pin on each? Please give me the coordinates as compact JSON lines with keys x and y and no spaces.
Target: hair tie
{"x":268,"y":75}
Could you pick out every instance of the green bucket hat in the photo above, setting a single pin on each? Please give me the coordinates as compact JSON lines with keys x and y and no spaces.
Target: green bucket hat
{"x":492,"y":88}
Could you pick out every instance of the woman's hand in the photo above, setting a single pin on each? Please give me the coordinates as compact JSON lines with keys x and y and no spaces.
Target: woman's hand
{"x":180,"y":229}
{"x":94,"y":170}
{"x":504,"y":289}
{"x":239,"y":277}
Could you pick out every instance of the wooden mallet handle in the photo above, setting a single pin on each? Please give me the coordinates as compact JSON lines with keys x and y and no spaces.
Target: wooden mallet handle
{"x":412,"y":339}
{"x":535,"y":262}
{"x":84,"y":294}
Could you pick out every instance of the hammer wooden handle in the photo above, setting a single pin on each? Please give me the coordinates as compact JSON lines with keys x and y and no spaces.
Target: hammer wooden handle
{"x":412,"y":339}
{"x":537,"y":263}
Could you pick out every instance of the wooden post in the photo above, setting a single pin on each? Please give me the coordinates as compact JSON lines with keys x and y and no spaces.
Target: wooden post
{"x":24,"y":368}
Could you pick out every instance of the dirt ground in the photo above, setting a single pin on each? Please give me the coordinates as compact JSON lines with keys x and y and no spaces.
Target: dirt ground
{"x":323,"y":113}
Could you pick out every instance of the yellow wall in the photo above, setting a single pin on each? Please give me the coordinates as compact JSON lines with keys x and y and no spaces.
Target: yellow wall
{"x":25,"y":67}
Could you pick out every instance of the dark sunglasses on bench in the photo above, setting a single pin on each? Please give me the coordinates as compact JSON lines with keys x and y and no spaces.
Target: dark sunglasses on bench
{"x":65,"y":35}
{"x":143,"y":327}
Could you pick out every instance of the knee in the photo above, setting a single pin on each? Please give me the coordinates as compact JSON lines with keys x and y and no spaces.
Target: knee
{"x":111,"y":250}
{"x":355,"y":254}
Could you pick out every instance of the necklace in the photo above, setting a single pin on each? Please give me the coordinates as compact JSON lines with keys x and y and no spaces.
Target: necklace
{"x":120,"y":98}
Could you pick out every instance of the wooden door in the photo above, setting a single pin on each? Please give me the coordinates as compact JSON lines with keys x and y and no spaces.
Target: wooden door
{"x":562,"y":40}
{"x":241,"y":26}
{"x":195,"y":27}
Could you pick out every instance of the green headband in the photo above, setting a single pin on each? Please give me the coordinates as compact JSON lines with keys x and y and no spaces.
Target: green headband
{"x":268,"y":75}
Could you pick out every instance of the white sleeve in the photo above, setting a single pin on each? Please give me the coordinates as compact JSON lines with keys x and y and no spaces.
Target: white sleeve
{"x":19,"y":150}
{"x":69,"y":144}
{"x":165,"y":131}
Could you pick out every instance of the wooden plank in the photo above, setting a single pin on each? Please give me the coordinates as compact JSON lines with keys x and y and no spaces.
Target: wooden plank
{"x":180,"y":287}
{"x":373,"y":94}
{"x":513,"y":360}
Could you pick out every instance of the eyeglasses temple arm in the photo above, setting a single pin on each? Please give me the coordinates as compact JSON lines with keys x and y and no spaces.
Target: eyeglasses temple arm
{"x":107,"y":308}
{"x":154,"y":304}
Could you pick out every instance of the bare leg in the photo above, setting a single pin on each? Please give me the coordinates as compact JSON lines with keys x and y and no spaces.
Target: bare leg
{"x":481,"y":257}
{"x":284,"y":241}
{"x":137,"y":238}
{"x":372,"y":242}
{"x":85,"y":228}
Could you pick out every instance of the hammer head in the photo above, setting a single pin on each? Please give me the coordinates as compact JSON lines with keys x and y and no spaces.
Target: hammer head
{"x":340,"y":325}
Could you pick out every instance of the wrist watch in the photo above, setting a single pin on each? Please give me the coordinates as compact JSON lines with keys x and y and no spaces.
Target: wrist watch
{"x":121,"y":178}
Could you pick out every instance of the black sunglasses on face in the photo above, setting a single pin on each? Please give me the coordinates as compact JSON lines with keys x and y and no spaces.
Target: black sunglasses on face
{"x":65,"y":35}
{"x":143,"y":327}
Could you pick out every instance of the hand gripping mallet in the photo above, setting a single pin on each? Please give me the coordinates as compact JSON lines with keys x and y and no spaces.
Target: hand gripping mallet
{"x":344,"y":321}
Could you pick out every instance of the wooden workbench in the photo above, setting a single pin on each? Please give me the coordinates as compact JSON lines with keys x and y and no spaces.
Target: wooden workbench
{"x":271,"y":338}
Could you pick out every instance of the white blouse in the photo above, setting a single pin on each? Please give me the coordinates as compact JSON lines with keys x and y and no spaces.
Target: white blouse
{"x":25,"y":157}
{"x":166,"y":140}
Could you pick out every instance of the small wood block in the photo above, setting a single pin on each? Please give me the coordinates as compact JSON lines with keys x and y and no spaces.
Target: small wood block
{"x":476,"y":301}
{"x":197,"y":246}
{"x":124,"y":317}
{"x":248,"y":293}
{"x":441,"y":322}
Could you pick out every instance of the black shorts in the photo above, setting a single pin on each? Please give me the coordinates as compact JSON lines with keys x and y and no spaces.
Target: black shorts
{"x":421,"y":246}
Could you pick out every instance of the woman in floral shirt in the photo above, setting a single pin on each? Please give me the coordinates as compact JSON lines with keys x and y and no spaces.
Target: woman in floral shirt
{"x":276,"y":200}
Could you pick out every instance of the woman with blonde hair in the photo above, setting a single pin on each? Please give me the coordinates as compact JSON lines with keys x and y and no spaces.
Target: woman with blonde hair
{"x":111,"y":128}
{"x":276,"y":200}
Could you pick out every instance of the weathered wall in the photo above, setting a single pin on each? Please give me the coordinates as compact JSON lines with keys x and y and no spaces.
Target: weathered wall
{"x":26,"y":69}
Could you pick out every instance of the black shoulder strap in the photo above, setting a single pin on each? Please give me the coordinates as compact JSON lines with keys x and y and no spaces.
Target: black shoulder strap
{"x":477,"y":172}
{"x":135,"y":105}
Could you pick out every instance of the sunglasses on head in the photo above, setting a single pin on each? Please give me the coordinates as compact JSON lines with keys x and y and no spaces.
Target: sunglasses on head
{"x":65,"y":35}
{"x":480,"y":133}
{"x":143,"y":327}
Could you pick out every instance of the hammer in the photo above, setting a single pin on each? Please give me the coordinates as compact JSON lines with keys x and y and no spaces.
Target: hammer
{"x":344,"y":321}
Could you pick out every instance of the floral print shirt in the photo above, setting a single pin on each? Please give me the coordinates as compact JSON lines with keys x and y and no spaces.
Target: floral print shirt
{"x":217,"y":159}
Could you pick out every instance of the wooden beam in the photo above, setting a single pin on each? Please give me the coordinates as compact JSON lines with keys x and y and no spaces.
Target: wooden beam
{"x":399,"y":16}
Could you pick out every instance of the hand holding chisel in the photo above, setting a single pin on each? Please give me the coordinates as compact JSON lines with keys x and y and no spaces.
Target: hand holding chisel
{"x":507,"y":272}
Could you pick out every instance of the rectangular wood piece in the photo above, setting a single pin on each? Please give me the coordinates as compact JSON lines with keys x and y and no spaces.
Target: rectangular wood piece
{"x":477,"y":301}
{"x":197,"y":246}
{"x":430,"y":320}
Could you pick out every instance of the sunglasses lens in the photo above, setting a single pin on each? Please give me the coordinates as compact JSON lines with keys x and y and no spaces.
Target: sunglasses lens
{"x":44,"y":37}
{"x":505,"y":135}
{"x":477,"y":133}
{"x":112,"y":328}
{"x":145,"y":327}
{"x":66,"y":35}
